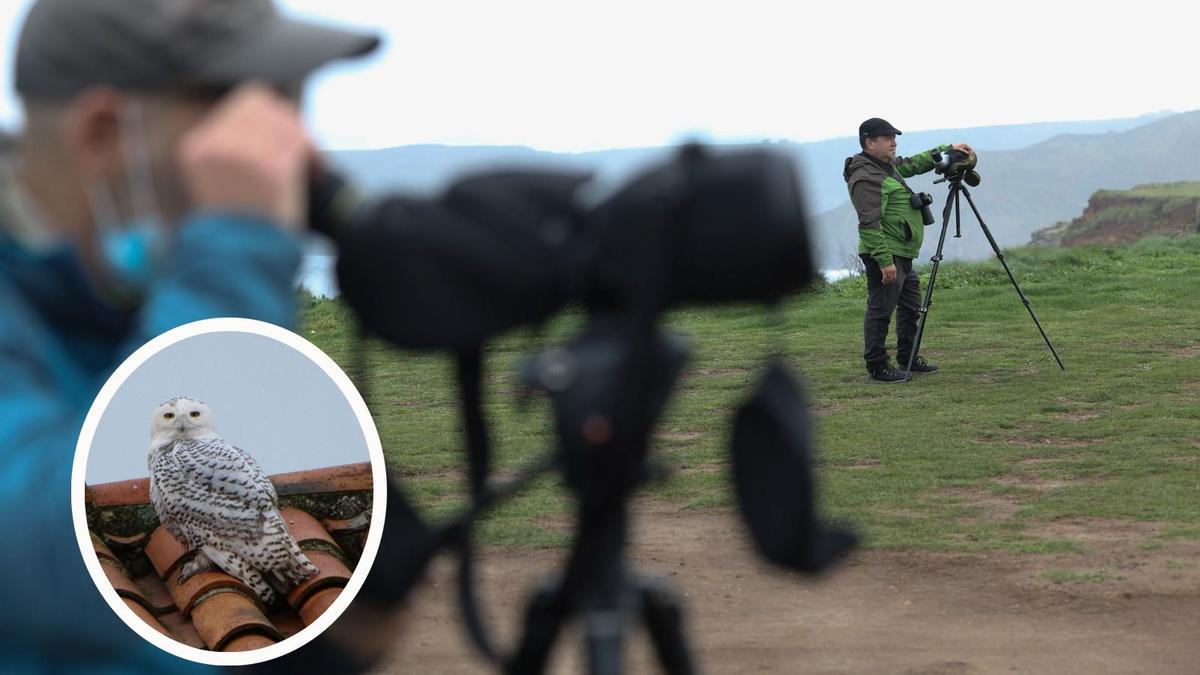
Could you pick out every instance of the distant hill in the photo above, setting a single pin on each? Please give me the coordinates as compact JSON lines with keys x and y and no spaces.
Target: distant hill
{"x":822,"y":161}
{"x":426,"y":168}
{"x":1123,"y":216}
{"x":1027,"y":189}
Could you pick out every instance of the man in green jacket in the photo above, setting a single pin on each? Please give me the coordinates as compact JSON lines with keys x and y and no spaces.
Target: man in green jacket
{"x":890,"y":230}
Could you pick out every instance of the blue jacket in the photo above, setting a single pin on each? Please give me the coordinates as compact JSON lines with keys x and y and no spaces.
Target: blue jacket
{"x":58,"y":345}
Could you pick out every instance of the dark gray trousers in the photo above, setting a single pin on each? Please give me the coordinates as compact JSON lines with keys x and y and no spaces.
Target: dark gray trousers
{"x":903,"y":296}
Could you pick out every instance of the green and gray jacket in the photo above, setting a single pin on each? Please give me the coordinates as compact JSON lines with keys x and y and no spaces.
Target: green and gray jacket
{"x":888,"y":225}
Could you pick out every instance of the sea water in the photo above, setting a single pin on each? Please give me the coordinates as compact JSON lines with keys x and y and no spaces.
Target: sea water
{"x":317,"y":274}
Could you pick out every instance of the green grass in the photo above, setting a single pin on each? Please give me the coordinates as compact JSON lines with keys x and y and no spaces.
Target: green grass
{"x":970,"y":459}
{"x":1179,"y":189}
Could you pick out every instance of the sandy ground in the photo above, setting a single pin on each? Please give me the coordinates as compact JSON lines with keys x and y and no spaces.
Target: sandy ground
{"x":877,"y":613}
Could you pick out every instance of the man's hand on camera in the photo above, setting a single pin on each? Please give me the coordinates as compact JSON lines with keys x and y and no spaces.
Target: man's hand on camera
{"x":889,"y":274}
{"x":963,"y":147}
{"x":250,"y":155}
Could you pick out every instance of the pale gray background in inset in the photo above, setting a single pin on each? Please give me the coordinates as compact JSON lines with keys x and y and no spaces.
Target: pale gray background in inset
{"x":267,"y":398}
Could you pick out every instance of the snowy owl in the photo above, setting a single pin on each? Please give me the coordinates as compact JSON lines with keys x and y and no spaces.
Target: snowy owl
{"x":214,"y":498}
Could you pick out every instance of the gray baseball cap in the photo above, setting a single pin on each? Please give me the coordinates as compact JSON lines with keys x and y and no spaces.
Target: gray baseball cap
{"x":67,"y":46}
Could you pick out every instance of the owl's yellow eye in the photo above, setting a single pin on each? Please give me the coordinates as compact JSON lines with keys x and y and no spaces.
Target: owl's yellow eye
{"x":168,"y":416}
{"x":195,"y":413}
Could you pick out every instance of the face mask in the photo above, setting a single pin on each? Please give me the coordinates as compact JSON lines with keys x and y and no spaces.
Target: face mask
{"x":132,"y":257}
{"x":132,"y":252}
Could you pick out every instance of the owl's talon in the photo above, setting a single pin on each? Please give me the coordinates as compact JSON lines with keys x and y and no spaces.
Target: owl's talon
{"x":193,"y":567}
{"x":186,"y":573}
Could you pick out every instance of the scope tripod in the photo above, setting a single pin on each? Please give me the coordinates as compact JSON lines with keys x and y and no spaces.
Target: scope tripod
{"x":608,"y":597}
{"x":598,"y":587}
{"x":957,"y":189}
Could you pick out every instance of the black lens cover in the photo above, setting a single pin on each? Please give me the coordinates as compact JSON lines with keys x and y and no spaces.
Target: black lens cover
{"x":776,"y":489}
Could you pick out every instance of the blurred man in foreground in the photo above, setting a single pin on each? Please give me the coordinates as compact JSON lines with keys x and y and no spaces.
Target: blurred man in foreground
{"x":161,"y":179}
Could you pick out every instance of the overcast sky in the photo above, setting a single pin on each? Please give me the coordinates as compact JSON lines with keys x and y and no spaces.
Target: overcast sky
{"x":559,"y":75}
{"x":266,"y":398}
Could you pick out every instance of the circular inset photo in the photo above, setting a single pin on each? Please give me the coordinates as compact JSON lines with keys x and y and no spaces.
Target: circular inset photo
{"x":228,"y":491}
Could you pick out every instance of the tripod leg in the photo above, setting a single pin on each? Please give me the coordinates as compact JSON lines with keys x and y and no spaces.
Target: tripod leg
{"x":957,"y":218}
{"x":951,"y":203}
{"x":664,"y":622}
{"x":604,"y":635}
{"x":543,"y":620}
{"x":1013,"y":279}
{"x":605,"y":595}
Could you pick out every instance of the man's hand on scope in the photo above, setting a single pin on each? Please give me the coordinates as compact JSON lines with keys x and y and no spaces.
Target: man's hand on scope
{"x":250,"y":155}
{"x":889,"y":274}
{"x":963,"y":147}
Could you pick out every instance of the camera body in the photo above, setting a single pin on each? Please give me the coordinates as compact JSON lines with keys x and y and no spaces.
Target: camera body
{"x":921,"y":202}
{"x":920,"y":199}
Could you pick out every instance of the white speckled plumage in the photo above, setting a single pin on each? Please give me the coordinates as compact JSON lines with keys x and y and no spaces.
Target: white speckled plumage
{"x":216,"y":500}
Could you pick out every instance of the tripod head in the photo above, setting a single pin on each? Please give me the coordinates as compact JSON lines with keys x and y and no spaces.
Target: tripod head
{"x":971,"y":178}
{"x":956,"y":166}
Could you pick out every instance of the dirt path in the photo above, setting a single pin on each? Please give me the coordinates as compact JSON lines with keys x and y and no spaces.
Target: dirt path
{"x":878,"y":613}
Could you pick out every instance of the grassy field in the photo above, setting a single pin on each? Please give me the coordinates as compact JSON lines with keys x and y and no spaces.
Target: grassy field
{"x":1184,"y":190}
{"x":918,"y":466}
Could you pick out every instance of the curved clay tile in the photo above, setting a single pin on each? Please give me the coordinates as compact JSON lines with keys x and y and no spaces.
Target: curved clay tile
{"x":164,"y":551}
{"x":130,"y":592}
{"x":213,"y":609}
{"x":227,"y":614}
{"x":324,"y":552}
{"x":317,"y":603}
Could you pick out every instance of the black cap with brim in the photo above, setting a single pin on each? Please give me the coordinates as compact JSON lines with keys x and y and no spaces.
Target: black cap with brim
{"x":276,"y":55}
{"x":877,"y":127}
{"x":68,"y":46}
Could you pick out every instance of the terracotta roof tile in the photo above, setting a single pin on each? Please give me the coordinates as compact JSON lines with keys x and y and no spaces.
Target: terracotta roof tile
{"x":316,"y":605}
{"x":149,"y":618}
{"x":304,"y":527}
{"x":227,"y":613}
{"x":119,"y":577}
{"x":102,"y":549}
{"x":340,"y":526}
{"x":136,"y":491}
{"x":249,"y":642}
{"x":182,"y":629}
{"x":215,"y":610}
{"x":164,"y":551}
{"x":345,"y":478}
{"x":118,"y":542}
{"x":115,"y":572}
{"x":188,"y":594}
{"x":156,"y":593}
{"x":287,"y":621}
{"x":333,"y":574}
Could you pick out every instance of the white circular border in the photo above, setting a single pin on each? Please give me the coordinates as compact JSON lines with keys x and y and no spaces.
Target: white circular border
{"x":378,"y":475}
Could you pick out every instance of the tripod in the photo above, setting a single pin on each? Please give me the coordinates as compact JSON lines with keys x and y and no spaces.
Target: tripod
{"x":599,"y":588}
{"x":957,"y":189}
{"x":603,"y":468}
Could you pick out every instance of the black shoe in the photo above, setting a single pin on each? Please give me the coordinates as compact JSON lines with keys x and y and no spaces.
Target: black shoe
{"x":921,"y":366}
{"x":884,"y":373}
